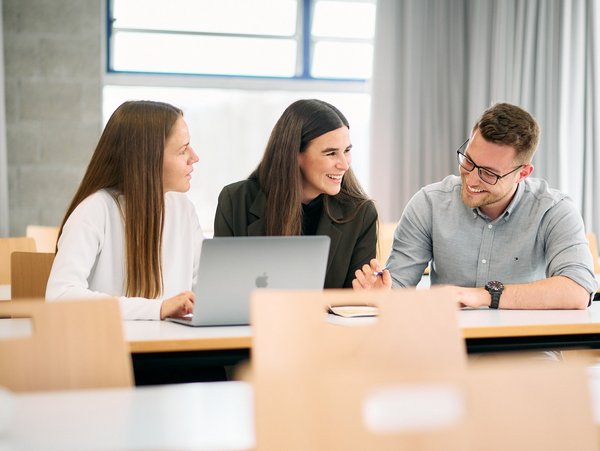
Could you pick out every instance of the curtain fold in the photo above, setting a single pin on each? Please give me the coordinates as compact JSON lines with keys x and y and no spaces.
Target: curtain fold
{"x":417,"y":114}
{"x":440,"y":63}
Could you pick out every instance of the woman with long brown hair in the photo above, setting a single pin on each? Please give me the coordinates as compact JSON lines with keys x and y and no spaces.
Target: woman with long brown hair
{"x":129,"y":231}
{"x":304,"y":186}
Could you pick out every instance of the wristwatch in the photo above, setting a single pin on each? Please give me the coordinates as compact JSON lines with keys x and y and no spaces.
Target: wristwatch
{"x":495,"y":289}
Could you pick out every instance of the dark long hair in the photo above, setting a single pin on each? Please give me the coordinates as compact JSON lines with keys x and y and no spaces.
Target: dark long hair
{"x":279,"y":174}
{"x":128,"y":161}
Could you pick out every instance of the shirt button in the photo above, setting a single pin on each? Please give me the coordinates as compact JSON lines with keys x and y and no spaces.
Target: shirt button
{"x":489,"y":226}
{"x":484,"y":261}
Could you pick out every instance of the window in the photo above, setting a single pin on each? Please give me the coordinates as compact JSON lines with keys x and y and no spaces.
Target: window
{"x":323,"y":39}
{"x":233,"y":66}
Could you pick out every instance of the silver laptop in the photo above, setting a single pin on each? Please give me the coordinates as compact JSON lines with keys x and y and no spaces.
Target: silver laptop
{"x":231,"y":267}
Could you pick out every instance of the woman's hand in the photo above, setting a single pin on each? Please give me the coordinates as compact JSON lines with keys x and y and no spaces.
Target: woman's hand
{"x":372,"y":276}
{"x":177,"y":306}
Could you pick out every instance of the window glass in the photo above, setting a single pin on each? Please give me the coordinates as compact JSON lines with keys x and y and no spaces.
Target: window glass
{"x":342,"y":60}
{"x":262,"y":17}
{"x":256,"y":38}
{"x":191,"y":54}
{"x":344,"y":19}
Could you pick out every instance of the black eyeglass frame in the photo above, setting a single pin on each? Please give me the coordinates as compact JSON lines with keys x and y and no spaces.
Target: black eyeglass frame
{"x":459,"y":154}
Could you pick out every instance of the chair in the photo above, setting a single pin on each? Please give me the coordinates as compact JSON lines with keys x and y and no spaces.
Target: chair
{"x":530,"y":406}
{"x":73,"y":345}
{"x":400,"y":381}
{"x":45,"y":237}
{"x":300,"y":354}
{"x":504,"y":404}
{"x":385,"y":240}
{"x":29,"y":272}
{"x":593,"y":243}
{"x":7,"y":247}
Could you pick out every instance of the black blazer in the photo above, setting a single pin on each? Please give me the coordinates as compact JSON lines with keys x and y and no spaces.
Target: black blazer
{"x":241,"y":209}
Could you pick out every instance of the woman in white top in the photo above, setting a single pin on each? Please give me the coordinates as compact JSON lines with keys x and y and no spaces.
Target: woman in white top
{"x":130,"y":232}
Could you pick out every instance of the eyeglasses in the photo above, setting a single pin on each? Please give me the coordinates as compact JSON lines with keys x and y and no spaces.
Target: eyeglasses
{"x":485,"y":175}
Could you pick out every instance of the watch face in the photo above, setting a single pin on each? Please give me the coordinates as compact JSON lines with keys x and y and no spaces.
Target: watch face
{"x":494,"y":285}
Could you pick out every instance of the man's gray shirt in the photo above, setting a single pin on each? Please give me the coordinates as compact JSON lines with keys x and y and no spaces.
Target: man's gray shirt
{"x":541,"y":234}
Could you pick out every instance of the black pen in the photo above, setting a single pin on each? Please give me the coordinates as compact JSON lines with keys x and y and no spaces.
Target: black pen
{"x":379,"y":273}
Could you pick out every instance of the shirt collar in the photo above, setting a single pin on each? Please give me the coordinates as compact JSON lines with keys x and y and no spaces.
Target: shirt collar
{"x":511,"y":206}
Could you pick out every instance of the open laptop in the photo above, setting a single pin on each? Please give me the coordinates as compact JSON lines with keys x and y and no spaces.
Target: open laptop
{"x":231,"y":267}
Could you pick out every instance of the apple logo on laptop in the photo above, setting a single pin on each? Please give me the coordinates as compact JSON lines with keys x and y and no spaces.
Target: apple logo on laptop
{"x":261,"y":281}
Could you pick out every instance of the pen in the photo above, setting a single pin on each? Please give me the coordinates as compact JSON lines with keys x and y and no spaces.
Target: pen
{"x":379,"y":273}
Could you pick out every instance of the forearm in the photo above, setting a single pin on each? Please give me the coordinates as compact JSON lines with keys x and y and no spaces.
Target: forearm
{"x":556,"y":292}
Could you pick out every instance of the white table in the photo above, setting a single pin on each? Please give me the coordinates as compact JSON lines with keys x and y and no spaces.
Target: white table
{"x":184,"y":416}
{"x":481,"y":324}
{"x":162,"y":344}
{"x":166,"y":336}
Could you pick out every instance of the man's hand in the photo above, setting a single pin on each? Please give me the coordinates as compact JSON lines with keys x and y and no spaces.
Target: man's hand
{"x":468,"y":297}
{"x":372,"y":276}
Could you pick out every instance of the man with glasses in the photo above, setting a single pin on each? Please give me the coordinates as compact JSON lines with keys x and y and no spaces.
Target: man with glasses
{"x":501,"y":238}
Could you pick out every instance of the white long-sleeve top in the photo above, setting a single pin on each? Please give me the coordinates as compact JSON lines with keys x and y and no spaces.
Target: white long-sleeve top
{"x":90,"y":261}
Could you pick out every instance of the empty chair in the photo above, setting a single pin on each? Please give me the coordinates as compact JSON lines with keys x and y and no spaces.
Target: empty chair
{"x":593,"y":243}
{"x":503,"y":404}
{"x":401,"y":381}
{"x":73,"y":345}
{"x":7,"y":247}
{"x":299,"y":352}
{"x":29,"y":274}
{"x":45,"y":237}
{"x":519,"y":405}
{"x":385,"y":240}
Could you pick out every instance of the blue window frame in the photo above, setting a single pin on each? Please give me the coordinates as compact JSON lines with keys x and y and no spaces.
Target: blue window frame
{"x":288,"y":39}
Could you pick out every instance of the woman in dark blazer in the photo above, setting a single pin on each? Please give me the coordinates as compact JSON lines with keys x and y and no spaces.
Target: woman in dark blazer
{"x":304,"y":186}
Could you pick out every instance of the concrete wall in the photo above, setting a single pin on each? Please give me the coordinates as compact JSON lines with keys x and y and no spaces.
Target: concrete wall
{"x":52,"y":51}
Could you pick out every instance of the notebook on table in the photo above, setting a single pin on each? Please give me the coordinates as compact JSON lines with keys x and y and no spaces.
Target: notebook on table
{"x":231,"y":267}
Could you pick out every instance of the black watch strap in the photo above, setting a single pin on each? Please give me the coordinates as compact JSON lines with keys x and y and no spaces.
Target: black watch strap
{"x":495,"y":299}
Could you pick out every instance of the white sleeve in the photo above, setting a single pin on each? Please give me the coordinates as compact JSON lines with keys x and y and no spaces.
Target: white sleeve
{"x":79,"y":246}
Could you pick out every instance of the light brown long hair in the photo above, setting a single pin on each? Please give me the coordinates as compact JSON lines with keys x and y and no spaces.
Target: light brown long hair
{"x":279,"y":175}
{"x":128,"y":161}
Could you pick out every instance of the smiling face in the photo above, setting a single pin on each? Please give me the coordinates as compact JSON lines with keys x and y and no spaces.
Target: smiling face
{"x":178,"y":159}
{"x":492,"y":200}
{"x":324,"y":163}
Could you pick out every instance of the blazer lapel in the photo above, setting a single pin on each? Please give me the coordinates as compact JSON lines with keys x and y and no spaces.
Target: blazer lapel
{"x":257,"y":228}
{"x":328,"y":227}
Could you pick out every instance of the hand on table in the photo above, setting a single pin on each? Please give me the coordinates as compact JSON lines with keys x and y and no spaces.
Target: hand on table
{"x":177,"y":306}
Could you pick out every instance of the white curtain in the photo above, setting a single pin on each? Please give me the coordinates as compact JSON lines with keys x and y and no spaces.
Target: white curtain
{"x":418,"y":85}
{"x":445,"y":61}
{"x":4,"y":224}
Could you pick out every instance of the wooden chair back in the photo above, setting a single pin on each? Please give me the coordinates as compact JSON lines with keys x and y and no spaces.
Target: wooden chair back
{"x":530,"y":406}
{"x":300,"y":353}
{"x":385,"y":240}
{"x":45,"y":237}
{"x":29,"y":272}
{"x":504,"y":404}
{"x":593,"y":243}
{"x":73,"y":345}
{"x":7,"y":247}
